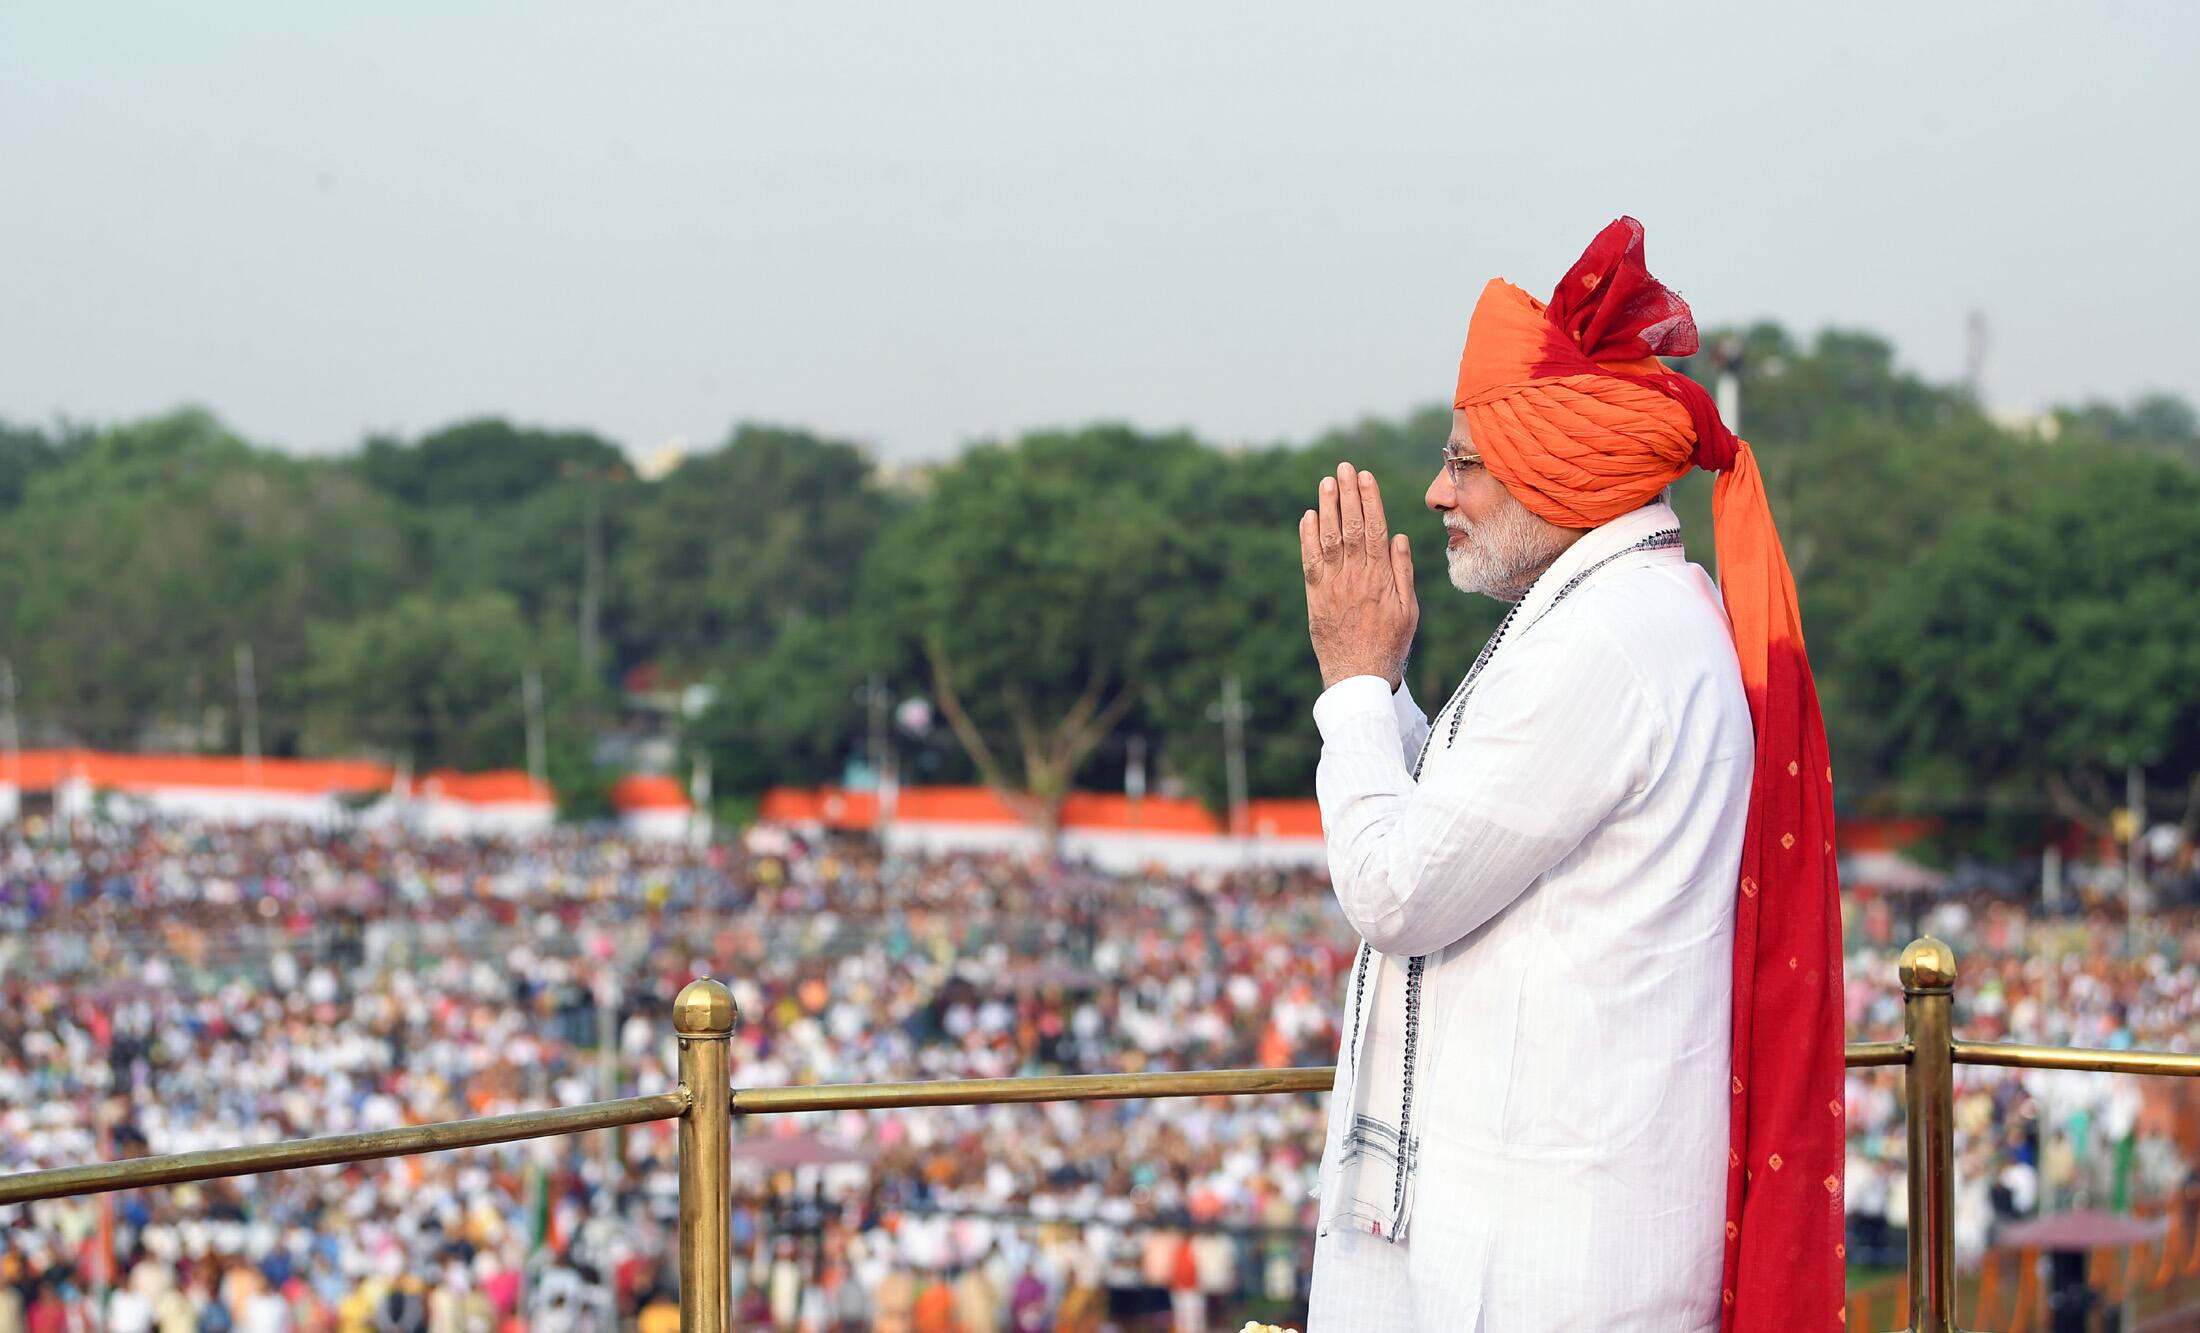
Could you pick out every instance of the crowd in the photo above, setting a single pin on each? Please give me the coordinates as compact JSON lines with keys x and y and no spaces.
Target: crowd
{"x":167,"y":987}
{"x":2030,"y":1141}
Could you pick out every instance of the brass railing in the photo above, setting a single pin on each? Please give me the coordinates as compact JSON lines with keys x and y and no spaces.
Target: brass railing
{"x":704,"y":1017}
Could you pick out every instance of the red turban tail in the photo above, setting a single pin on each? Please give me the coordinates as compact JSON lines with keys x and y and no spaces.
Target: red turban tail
{"x":1571,"y":409}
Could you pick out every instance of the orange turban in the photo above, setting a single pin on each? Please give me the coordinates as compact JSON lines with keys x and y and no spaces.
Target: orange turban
{"x":1572,"y":411}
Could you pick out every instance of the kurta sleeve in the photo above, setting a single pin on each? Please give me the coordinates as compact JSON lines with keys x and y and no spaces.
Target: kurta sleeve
{"x":1412,"y":724}
{"x":1558,"y":732}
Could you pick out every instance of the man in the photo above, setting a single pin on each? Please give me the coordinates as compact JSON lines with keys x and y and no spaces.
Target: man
{"x":1590,"y":1069}
{"x":977,"y":1303}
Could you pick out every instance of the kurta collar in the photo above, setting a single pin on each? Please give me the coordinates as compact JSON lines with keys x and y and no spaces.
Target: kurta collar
{"x":1596,"y":544}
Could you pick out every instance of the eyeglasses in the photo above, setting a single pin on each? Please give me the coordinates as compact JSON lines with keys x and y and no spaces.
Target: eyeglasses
{"x":1458,"y":463}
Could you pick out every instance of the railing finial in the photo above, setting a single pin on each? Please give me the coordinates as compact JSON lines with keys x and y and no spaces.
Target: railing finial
{"x":1928,"y":965}
{"x":705,"y":1008}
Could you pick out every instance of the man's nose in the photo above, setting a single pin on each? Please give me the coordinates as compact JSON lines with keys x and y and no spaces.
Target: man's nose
{"x":1440,"y":496}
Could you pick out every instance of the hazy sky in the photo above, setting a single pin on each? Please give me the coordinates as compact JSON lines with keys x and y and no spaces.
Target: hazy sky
{"x":918,"y":223}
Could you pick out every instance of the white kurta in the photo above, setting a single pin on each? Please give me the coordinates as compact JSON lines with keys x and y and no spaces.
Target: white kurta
{"x":1567,"y":865}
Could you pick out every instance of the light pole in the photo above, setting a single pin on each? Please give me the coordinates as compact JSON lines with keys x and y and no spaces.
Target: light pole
{"x":591,"y":608}
{"x":699,"y":795}
{"x":1231,"y":711}
{"x":590,"y":612}
{"x":530,"y":694}
{"x":2135,"y":799}
{"x":1134,"y":775}
{"x":875,"y":698}
{"x":248,"y":712}
{"x":11,"y":743}
{"x":1727,"y":388}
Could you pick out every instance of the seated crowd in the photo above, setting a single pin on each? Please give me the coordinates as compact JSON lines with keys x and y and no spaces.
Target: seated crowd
{"x":169,"y":987}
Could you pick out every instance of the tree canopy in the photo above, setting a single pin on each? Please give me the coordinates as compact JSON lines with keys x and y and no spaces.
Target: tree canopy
{"x":1994,"y":614}
{"x":769,"y":528}
{"x":2045,"y":646}
{"x":132,"y":571}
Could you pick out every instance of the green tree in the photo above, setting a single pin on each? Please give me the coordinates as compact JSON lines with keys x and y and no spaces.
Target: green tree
{"x":134,"y":568}
{"x":26,"y":451}
{"x":483,"y":464}
{"x":531,"y":513}
{"x":1040,"y":591}
{"x":439,"y":682}
{"x":788,"y":716}
{"x":2043,"y":647}
{"x":2160,"y":422}
{"x":736,"y":544}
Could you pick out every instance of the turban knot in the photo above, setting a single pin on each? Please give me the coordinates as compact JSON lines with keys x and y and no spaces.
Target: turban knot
{"x":1568,"y":402}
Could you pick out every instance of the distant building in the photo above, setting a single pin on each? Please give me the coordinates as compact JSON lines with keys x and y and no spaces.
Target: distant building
{"x":2026,"y":423}
{"x":1109,"y":831}
{"x":652,"y":808}
{"x":231,"y":789}
{"x":501,"y":803}
{"x":219,"y":788}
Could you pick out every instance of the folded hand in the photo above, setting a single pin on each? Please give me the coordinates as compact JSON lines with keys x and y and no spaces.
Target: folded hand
{"x":1361,"y":610}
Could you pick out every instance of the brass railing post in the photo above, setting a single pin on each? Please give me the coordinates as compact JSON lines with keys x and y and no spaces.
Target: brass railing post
{"x":1928,"y":996}
{"x":704,"y":1016}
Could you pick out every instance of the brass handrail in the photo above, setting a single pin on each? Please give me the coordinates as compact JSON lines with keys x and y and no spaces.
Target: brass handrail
{"x":410,"y":1140}
{"x":2012,"y":1055}
{"x":1058,"y":1088}
{"x":1872,"y":1054}
{"x":1108,"y":1087}
{"x":179,"y":1168}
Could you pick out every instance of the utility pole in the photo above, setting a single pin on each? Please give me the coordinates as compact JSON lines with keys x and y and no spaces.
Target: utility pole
{"x":2135,"y":797}
{"x":248,"y":712}
{"x":591,"y":575}
{"x":1134,"y":775}
{"x":11,"y":741}
{"x":699,"y":795}
{"x":530,"y":694}
{"x":874,"y":697}
{"x":401,"y":791}
{"x":1727,"y":390}
{"x":1232,"y":712}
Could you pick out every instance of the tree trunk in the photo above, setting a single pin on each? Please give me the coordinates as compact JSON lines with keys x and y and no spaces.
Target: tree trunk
{"x":1050,"y":752}
{"x":2091,"y":810}
{"x":1050,"y":824}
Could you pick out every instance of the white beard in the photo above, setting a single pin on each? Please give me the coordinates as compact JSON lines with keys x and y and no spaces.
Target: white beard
{"x":1502,"y":557}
